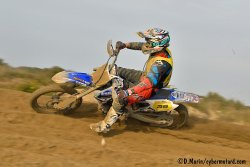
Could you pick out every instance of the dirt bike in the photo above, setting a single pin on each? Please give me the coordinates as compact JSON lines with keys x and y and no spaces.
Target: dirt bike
{"x":164,"y":109}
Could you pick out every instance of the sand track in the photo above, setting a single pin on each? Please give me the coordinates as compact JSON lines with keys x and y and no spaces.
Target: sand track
{"x":31,"y":139}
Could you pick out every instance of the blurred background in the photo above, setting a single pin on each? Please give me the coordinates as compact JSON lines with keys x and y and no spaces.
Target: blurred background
{"x":210,"y":45}
{"x":209,"y":39}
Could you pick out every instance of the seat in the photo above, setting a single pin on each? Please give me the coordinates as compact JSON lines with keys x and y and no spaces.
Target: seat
{"x":164,"y":93}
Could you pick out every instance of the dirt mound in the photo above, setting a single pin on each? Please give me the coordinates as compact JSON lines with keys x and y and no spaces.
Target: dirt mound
{"x":32,"y":139}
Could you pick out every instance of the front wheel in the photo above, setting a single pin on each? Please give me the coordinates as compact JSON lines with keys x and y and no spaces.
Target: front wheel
{"x":45,"y":99}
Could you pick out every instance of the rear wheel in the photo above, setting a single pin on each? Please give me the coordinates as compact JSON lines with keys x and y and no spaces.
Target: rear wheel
{"x":174,"y":120}
{"x":45,"y":99}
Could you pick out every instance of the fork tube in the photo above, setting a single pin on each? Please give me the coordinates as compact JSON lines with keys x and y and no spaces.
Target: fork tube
{"x":86,"y":92}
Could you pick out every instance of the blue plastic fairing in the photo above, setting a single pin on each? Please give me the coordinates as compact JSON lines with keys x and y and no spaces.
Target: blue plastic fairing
{"x":80,"y":78}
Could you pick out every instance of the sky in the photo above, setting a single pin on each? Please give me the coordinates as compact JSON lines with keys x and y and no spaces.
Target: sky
{"x":210,"y":39}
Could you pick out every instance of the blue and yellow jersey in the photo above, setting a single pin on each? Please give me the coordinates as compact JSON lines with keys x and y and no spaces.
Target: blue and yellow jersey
{"x":159,"y":65}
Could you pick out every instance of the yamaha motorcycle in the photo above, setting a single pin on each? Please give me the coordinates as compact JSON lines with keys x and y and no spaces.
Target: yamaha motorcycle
{"x":164,"y":109}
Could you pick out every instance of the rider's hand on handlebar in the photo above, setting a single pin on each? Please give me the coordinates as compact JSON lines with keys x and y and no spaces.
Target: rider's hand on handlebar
{"x":120,"y":45}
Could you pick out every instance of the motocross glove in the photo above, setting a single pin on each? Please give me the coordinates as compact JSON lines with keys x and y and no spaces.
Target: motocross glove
{"x":120,"y":45}
{"x":122,"y":96}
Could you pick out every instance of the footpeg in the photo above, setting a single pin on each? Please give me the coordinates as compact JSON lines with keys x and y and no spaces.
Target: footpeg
{"x":66,"y":103}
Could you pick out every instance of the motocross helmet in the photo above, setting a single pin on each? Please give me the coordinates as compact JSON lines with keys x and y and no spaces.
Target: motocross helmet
{"x":156,"y":40}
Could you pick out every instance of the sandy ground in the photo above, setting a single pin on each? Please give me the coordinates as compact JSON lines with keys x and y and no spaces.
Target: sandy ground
{"x":31,"y":139}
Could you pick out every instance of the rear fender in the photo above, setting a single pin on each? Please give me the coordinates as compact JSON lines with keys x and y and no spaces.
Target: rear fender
{"x":180,"y":97}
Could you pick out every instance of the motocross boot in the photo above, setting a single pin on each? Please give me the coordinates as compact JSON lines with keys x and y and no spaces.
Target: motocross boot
{"x":104,"y":107}
{"x":105,"y":125}
{"x":103,"y":104}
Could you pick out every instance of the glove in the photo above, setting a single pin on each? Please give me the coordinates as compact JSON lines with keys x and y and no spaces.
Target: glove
{"x":120,"y":45}
{"x":122,"y":96}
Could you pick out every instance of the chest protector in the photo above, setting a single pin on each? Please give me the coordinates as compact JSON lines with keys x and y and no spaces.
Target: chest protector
{"x":167,"y":58}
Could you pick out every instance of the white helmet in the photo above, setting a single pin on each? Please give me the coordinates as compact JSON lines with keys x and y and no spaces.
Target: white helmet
{"x":156,"y":39}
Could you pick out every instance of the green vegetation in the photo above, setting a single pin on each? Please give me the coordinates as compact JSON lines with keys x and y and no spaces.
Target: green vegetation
{"x":215,"y":101}
{"x":2,"y":62}
{"x":225,"y":109}
{"x":26,"y":79}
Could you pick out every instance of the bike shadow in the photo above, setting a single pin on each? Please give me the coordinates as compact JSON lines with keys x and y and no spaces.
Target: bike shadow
{"x":86,"y":110}
{"x":130,"y":125}
{"x":90,"y":110}
{"x":133,"y":125}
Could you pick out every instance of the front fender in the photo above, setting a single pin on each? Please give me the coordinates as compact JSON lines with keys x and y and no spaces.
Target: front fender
{"x":71,"y":76}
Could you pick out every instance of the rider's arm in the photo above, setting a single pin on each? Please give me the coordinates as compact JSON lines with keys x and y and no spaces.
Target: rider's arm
{"x":158,"y":72}
{"x":134,"y":45}
{"x":155,"y":77}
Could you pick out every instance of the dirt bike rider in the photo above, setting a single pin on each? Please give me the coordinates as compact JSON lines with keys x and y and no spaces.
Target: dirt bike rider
{"x":156,"y":75}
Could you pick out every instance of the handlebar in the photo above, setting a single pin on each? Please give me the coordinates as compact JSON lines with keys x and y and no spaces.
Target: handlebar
{"x":116,"y":52}
{"x":112,"y":53}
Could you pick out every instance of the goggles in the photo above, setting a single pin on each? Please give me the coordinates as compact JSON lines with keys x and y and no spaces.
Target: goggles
{"x":159,"y":43}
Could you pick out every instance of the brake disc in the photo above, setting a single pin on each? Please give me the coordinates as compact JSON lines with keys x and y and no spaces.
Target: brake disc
{"x":166,"y":118}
